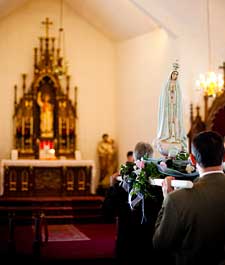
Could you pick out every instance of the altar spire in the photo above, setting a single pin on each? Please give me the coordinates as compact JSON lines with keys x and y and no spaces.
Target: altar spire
{"x":44,"y":119}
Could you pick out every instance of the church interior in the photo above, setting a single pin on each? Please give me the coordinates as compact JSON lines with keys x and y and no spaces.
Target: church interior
{"x":74,"y":70}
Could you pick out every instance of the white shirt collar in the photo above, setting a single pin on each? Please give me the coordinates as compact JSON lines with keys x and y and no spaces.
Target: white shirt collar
{"x":211,"y":172}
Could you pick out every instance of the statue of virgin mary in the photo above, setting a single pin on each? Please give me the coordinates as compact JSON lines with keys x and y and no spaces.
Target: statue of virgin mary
{"x":171,"y":136}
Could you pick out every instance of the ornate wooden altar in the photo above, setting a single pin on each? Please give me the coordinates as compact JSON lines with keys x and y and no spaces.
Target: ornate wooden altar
{"x":41,"y":177}
{"x":45,"y":117}
{"x":214,"y":115}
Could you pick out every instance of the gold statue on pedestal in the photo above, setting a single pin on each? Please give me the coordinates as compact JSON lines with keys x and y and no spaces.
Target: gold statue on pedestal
{"x":107,"y":153}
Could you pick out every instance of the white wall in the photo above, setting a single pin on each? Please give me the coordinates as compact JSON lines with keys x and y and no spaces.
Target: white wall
{"x":91,"y":66}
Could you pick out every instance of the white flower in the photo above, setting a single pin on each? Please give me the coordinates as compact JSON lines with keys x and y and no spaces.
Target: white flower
{"x":189,"y":168}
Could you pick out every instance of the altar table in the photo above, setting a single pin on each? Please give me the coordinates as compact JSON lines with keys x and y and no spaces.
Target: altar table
{"x":47,"y":177}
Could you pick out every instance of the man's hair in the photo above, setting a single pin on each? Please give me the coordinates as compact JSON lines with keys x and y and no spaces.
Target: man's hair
{"x":208,"y":148}
{"x":142,"y":149}
{"x":129,"y":153}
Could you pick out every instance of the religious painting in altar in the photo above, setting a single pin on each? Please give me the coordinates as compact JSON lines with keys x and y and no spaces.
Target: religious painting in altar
{"x":45,"y":117}
{"x":214,"y":111}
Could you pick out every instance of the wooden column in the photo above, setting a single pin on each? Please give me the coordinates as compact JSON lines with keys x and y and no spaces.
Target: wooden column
{"x":37,"y":236}
{"x":11,"y":240}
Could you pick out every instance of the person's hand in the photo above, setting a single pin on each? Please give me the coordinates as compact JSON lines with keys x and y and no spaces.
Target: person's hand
{"x":113,"y":178}
{"x":166,"y":186}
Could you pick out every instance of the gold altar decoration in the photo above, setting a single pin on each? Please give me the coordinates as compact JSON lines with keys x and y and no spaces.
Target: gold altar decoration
{"x":44,"y":117}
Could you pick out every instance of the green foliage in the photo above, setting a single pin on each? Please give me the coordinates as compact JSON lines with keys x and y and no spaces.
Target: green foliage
{"x":139,"y":178}
{"x":152,"y":170}
{"x":182,"y":156}
{"x":127,"y":170}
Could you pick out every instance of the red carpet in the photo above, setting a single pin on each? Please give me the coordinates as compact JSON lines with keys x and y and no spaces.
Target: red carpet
{"x":100,"y":246}
{"x":59,"y":233}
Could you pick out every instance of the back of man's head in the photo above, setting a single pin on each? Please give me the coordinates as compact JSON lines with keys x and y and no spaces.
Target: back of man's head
{"x":142,"y":149}
{"x":130,"y":156}
{"x":208,"y":149}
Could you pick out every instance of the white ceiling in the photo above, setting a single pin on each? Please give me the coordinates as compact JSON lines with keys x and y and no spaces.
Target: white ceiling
{"x":124,"y":19}
{"x":118,"y":19}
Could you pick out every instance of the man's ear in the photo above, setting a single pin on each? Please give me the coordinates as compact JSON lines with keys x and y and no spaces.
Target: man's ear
{"x":193,"y":160}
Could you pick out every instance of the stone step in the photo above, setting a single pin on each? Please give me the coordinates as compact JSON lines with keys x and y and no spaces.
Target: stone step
{"x":54,"y":208}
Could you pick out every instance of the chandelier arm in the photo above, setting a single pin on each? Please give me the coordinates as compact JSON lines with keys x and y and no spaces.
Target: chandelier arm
{"x":209,"y":37}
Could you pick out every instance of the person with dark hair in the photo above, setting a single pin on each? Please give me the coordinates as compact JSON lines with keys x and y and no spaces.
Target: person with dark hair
{"x":130,"y":160}
{"x":133,"y":242}
{"x":130,"y":157}
{"x":191,"y":222}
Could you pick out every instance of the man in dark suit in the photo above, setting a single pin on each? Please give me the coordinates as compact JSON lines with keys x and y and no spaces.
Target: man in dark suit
{"x":191,"y":222}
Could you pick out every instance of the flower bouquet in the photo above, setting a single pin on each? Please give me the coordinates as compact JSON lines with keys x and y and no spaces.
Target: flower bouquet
{"x":136,"y":177}
{"x":179,"y":166}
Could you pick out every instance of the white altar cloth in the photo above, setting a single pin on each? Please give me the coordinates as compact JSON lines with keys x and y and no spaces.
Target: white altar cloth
{"x":47,"y":163}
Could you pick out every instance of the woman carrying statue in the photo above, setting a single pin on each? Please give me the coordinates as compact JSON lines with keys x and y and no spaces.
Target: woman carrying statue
{"x":170,"y":116}
{"x":46,"y":115}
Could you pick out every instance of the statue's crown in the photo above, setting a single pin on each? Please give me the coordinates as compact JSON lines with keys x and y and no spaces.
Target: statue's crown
{"x":175,"y":66}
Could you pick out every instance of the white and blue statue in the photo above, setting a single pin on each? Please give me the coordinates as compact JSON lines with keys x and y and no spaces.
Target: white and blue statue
{"x":171,"y":136}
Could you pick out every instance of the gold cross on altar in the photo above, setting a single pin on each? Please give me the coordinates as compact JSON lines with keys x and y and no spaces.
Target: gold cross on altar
{"x":47,"y":23}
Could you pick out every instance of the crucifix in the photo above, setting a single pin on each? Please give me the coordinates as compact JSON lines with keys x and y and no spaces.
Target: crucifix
{"x":47,"y":23}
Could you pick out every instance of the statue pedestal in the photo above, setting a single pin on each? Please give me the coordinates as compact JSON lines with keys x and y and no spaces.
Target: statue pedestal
{"x":168,"y":147}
